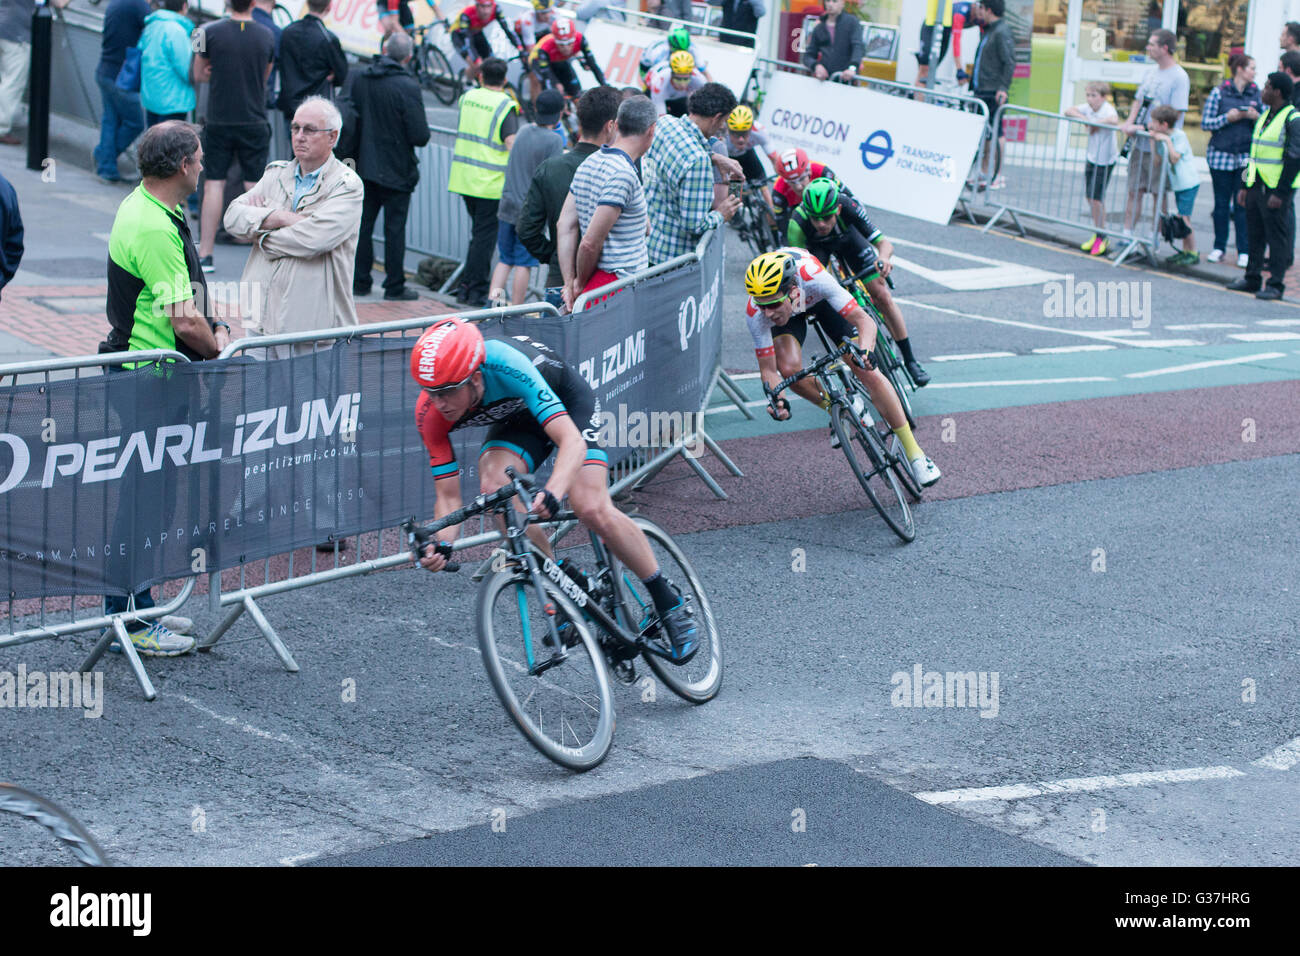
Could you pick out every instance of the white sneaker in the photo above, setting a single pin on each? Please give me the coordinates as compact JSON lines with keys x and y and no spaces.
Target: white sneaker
{"x":174,"y":622}
{"x":925,"y":471}
{"x":157,"y":641}
{"x":1243,"y":260}
{"x":1214,"y":256}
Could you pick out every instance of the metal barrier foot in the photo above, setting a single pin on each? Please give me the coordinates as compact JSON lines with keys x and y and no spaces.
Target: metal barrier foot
{"x":704,"y":475}
{"x":207,"y":644}
{"x":728,"y":385}
{"x":272,"y":638}
{"x":128,"y":651}
{"x":721,"y":455}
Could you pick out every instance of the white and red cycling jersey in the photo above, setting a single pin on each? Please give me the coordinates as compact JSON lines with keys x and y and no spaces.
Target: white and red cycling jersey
{"x":530,"y":27}
{"x":813,"y":285}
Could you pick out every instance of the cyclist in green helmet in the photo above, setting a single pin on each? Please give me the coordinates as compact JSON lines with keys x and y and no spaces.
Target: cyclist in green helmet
{"x":830,"y":221}
{"x":679,"y":39}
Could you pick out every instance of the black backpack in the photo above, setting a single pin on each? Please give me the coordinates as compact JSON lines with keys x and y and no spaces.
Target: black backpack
{"x":349,"y":142}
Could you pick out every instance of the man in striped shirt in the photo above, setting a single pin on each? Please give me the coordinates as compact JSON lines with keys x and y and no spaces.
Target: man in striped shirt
{"x":606,"y":207}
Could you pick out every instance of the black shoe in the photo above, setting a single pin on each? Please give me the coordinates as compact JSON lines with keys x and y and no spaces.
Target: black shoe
{"x":1243,"y":285}
{"x":682,"y":630}
{"x":1269,"y":292}
{"x":361,"y":289}
{"x":206,"y":265}
{"x":919,"y":375}
{"x":402,"y":295}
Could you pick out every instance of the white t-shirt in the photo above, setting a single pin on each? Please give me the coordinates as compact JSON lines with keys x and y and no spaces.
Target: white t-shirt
{"x":812,"y":284}
{"x":1102,"y":148}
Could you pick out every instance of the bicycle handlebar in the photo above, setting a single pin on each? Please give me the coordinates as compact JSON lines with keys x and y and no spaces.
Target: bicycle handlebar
{"x":418,"y":536}
{"x":849,"y":280}
{"x":815,"y":368}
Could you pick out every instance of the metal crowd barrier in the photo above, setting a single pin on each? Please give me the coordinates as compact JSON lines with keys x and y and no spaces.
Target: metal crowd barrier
{"x":1043,"y":164}
{"x":52,"y":620}
{"x":438,"y":224}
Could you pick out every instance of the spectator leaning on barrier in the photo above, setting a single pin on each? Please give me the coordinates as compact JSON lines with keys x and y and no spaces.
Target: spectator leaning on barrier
{"x":234,"y":58}
{"x":835,"y":49}
{"x":11,"y":233}
{"x":994,"y":68}
{"x":1184,"y":182}
{"x":1166,"y":84}
{"x":485,"y":131}
{"x":1228,"y":114}
{"x":311,"y":60}
{"x":549,"y":188}
{"x":158,"y":299}
{"x":679,"y":175}
{"x":166,"y":58}
{"x":303,"y":218}
{"x":1268,"y":192}
{"x":121,"y":120}
{"x":1102,"y":155}
{"x":741,"y":16}
{"x":534,"y":144}
{"x":391,"y":124}
{"x":607,"y":208}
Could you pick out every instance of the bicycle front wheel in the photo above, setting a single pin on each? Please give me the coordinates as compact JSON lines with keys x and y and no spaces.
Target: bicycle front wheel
{"x":560,"y":700}
{"x":867,"y":458}
{"x":699,"y":680}
{"x":437,"y":75}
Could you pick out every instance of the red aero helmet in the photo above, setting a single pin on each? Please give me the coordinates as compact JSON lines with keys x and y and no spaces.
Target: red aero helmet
{"x":449,"y":352}
{"x":564,"y":31}
{"x":793,"y":163}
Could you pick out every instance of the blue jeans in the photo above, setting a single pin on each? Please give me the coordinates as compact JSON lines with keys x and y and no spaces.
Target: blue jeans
{"x":122,"y":122}
{"x":1226,"y":182}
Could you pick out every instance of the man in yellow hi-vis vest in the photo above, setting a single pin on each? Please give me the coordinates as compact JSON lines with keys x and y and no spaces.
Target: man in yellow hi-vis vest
{"x":489,"y":118}
{"x":1268,"y":193}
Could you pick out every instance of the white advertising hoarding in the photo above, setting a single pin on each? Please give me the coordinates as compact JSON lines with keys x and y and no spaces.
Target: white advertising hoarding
{"x":618,"y":50}
{"x":893,"y":152}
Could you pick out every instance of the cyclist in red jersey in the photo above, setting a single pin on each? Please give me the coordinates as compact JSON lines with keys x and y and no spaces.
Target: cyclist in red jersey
{"x":553,"y":56}
{"x":468,"y":34}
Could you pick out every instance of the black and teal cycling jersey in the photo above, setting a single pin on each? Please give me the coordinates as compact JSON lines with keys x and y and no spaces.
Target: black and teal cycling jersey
{"x":526,"y":386}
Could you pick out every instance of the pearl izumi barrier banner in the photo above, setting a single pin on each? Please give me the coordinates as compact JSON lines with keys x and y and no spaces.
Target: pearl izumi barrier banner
{"x":893,"y":152}
{"x":113,"y":482}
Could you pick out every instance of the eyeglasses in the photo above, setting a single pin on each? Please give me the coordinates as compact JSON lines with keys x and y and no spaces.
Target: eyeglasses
{"x":295,"y":129}
{"x":442,"y":391}
{"x":769,"y":306}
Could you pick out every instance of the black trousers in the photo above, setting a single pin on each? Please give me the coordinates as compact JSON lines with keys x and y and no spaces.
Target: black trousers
{"x":1274,"y":227}
{"x":395,"y":203}
{"x":482,"y":240}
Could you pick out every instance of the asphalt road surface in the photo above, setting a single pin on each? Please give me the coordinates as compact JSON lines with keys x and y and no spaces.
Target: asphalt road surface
{"x":1114,"y":541}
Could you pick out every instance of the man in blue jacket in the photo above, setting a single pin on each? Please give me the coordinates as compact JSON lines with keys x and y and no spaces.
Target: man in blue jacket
{"x":11,"y":232}
{"x":122,"y":120}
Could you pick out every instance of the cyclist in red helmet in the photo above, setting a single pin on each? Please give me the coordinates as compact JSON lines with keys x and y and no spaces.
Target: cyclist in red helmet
{"x":553,"y":57}
{"x":795,"y":171}
{"x":534,"y":403}
{"x":468,"y":36}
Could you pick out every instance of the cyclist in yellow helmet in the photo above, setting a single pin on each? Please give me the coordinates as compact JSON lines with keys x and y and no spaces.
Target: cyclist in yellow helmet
{"x":744,"y":139}
{"x":787,"y":289}
{"x":669,"y":84}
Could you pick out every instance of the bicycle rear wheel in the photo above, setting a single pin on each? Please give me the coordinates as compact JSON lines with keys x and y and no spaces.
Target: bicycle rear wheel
{"x":437,"y":76}
{"x":567,"y":710}
{"x":868,"y":459}
{"x":699,"y":680}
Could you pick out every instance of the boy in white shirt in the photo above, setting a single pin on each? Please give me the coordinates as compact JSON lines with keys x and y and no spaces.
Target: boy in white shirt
{"x":1102,"y":154}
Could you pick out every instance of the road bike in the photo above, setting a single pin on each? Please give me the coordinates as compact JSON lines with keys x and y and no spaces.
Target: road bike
{"x":432,"y":65}
{"x":890,"y":362}
{"x":753,"y":220}
{"x":551,"y":634}
{"x":54,"y":818}
{"x":876,"y":464}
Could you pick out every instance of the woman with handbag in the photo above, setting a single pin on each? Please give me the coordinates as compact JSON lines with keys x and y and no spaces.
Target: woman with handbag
{"x":166,"y":51}
{"x":1229,"y":114}
{"x":118,"y":76}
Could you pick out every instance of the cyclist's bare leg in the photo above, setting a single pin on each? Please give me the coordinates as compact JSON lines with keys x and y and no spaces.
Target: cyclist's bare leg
{"x":589,"y":498}
{"x":789,"y":361}
{"x":492,"y":465}
{"x":534,"y":87}
{"x":878,"y":288}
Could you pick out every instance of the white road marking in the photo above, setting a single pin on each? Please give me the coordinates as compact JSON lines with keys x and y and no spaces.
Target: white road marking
{"x":1165,"y":343}
{"x":1265,"y":336}
{"x":971,"y":355}
{"x":1024,"y":381}
{"x":1199,"y":365}
{"x":1195,"y":326}
{"x":1126,"y":333}
{"x":1019,"y":791}
{"x":731,"y":407}
{"x":233,"y":721}
{"x":1276,"y":323}
{"x":295,"y":860}
{"x":1063,"y":349}
{"x":990,"y":274}
{"x":1116,"y":337}
{"x":1283,"y":758}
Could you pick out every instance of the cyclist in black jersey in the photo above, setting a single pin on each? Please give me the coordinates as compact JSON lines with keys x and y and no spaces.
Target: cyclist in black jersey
{"x":830,"y":221}
{"x":535,"y":404}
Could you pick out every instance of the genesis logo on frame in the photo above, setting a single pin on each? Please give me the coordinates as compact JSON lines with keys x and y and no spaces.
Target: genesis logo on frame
{"x":876,"y":149}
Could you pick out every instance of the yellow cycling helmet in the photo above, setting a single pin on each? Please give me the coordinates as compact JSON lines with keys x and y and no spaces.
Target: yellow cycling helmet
{"x":768,"y":274}
{"x":681,"y":63}
{"x":741,"y":119}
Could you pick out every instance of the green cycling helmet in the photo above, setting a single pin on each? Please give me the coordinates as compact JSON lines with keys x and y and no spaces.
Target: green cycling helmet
{"x":821,"y":199}
{"x":679,"y":39}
